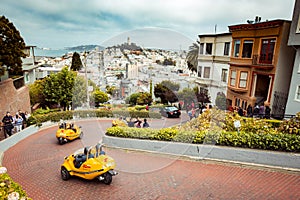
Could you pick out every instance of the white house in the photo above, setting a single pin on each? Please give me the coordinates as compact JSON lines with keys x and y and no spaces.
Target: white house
{"x":213,"y":59}
{"x":293,"y":102}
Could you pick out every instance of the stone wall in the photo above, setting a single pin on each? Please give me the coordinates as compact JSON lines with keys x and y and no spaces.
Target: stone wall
{"x":12,"y":99}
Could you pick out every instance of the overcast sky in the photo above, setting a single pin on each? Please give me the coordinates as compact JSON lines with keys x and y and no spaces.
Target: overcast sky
{"x":149,"y":23}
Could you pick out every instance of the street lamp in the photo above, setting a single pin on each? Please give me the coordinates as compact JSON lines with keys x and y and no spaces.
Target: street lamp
{"x":87,"y":82}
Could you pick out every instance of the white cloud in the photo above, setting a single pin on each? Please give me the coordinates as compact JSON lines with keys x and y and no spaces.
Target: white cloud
{"x":54,"y":23}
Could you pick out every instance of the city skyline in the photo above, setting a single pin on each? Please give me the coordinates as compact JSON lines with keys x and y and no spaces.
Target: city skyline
{"x":155,"y":24}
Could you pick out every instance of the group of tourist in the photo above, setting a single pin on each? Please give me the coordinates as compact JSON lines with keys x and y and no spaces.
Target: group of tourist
{"x":258,"y":111}
{"x":14,"y":123}
{"x":138,"y":123}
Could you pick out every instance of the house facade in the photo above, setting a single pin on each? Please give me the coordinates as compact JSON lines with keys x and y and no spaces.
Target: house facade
{"x":261,"y":65}
{"x":293,"y":103}
{"x":213,"y":67}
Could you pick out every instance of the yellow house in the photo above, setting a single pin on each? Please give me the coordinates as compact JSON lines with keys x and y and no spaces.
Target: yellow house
{"x":260,"y":65}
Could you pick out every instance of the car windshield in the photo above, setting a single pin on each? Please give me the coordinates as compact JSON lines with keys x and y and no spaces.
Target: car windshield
{"x":171,"y":108}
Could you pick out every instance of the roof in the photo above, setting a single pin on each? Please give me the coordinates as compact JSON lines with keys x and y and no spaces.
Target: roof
{"x":258,"y":25}
{"x":214,"y":35}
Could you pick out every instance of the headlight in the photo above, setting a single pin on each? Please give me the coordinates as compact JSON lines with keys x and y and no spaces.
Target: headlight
{"x":109,"y":164}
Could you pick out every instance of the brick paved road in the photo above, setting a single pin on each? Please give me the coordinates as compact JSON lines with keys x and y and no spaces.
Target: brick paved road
{"x":35,"y":164}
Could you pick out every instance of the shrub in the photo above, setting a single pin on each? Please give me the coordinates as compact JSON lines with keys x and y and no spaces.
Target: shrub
{"x":9,"y":187}
{"x":291,"y":126}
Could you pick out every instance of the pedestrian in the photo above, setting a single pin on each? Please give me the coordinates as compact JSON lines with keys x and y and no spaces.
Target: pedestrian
{"x":256,"y":110}
{"x":18,"y":122}
{"x":130,"y":123}
{"x":267,"y":112}
{"x":261,"y":111}
{"x":249,"y":111}
{"x":145,"y":124}
{"x":138,"y":123}
{"x":22,"y":114}
{"x":8,"y":124}
{"x":240,"y":112}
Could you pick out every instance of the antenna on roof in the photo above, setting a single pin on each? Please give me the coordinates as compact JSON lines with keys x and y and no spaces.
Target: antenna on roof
{"x":257,"y":19}
{"x":215,"y":28}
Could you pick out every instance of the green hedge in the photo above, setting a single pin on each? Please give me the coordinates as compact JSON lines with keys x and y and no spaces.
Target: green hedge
{"x":271,"y":141}
{"x":100,"y":113}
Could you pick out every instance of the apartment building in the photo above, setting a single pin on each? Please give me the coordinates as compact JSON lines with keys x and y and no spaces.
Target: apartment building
{"x":213,"y":67}
{"x":261,"y":64}
{"x":293,"y":103}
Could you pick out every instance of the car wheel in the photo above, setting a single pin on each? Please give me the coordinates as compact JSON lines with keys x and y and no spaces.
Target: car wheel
{"x":81,"y":135}
{"x":65,"y":175}
{"x":60,"y":141}
{"x":107,"y":178}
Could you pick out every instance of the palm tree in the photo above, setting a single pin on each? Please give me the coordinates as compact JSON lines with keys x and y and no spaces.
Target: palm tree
{"x":192,"y":57}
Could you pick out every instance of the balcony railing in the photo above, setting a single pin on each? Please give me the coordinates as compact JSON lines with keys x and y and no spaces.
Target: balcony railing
{"x":263,"y":59}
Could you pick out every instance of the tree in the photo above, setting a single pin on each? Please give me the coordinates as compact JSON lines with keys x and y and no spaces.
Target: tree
{"x":59,"y":88}
{"x":192,"y":57}
{"x":99,"y":97}
{"x":140,"y":98}
{"x":202,"y":96}
{"x":110,"y":89}
{"x":221,"y":101}
{"x":144,"y":98}
{"x":187,"y":95}
{"x":11,"y":48}
{"x":36,"y":92}
{"x":133,"y":98}
{"x":79,"y":92}
{"x":166,"y":91}
{"x":76,"y":62}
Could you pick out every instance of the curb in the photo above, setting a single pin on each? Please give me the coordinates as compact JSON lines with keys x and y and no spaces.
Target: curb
{"x":239,"y":156}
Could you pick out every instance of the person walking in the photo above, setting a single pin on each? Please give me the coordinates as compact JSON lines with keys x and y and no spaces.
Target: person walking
{"x":145,"y":124}
{"x":8,"y":124}
{"x":138,"y":123}
{"x":18,"y":122}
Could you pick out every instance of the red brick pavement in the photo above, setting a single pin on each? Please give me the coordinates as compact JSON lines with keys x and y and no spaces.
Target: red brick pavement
{"x":35,"y":164}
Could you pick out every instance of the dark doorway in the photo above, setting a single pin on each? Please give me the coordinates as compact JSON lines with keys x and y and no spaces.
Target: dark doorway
{"x":262,"y":88}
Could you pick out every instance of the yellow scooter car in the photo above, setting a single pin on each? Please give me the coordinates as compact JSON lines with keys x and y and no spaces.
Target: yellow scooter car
{"x":68,"y":132}
{"x":90,"y":164}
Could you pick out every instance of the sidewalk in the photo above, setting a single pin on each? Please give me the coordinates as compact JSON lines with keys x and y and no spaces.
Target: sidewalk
{"x":261,"y":158}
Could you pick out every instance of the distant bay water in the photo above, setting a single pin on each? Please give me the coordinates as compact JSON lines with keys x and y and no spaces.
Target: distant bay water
{"x":60,"y":52}
{"x":51,"y":52}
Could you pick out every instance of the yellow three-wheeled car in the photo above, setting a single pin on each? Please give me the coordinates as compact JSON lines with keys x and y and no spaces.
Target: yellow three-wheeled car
{"x":90,"y":164}
{"x":68,"y":132}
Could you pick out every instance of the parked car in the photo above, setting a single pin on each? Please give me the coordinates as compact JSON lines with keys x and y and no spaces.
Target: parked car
{"x":170,"y":111}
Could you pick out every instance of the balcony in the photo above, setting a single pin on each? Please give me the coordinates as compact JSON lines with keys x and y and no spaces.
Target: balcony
{"x":263,"y":60}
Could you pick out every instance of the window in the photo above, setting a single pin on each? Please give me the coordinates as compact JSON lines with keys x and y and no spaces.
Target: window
{"x":247,"y":48}
{"x":224,"y":75}
{"x":201,"y":48}
{"x":199,"y":71}
{"x":298,"y":25}
{"x":236,"y":48}
{"x":208,"y":48}
{"x":243,"y":79}
{"x":298,"y":93}
{"x":206,"y":72}
{"x":232,"y":78}
{"x":226,"y":48}
{"x":267,"y":50}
